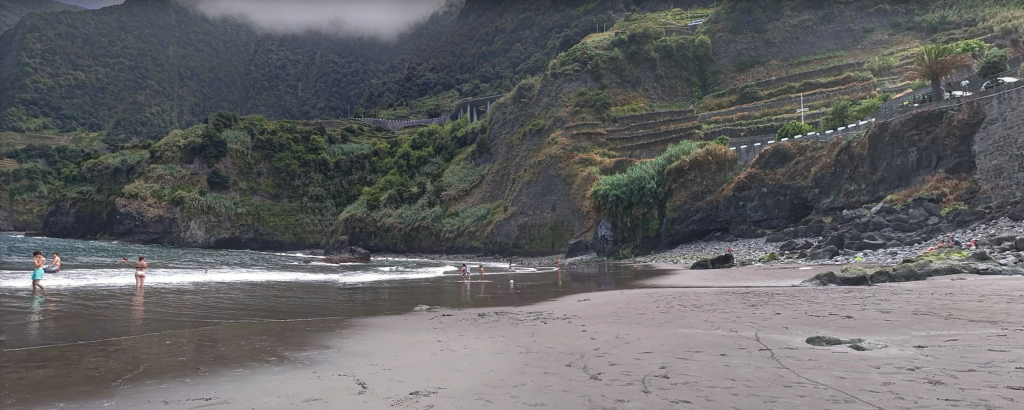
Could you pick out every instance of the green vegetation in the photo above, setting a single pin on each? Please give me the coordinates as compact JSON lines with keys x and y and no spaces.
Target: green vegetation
{"x":936,"y":62}
{"x":12,"y":11}
{"x":952,"y":208}
{"x":992,"y":63}
{"x":679,"y":63}
{"x":844,"y":113}
{"x":138,"y":70}
{"x":636,"y":198}
{"x":792,"y":129}
{"x":286,"y":181}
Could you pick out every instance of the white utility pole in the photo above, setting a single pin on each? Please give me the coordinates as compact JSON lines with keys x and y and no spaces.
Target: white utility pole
{"x":802,"y":110}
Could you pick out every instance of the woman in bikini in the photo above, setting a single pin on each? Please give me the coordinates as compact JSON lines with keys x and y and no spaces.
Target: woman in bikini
{"x":140,"y":272}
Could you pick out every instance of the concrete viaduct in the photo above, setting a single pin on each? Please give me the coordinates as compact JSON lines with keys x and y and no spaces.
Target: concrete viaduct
{"x":474,"y":108}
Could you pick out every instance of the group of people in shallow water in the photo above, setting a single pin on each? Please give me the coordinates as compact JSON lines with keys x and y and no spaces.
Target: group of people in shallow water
{"x":40,"y":268}
{"x":466,"y":273}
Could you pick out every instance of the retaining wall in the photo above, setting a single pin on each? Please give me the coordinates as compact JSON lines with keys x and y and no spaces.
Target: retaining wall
{"x":999,"y":147}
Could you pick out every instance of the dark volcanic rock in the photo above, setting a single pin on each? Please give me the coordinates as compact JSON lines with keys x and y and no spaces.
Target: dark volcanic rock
{"x":907,"y":272}
{"x":722,"y":262}
{"x":351,"y":254}
{"x":835,"y":241}
{"x":788,"y":246}
{"x":604,"y":238}
{"x":576,"y":248}
{"x":902,"y":227}
{"x":1019,"y":243}
{"x":825,"y":341}
{"x":918,"y":216}
{"x":969,"y":217}
{"x":932,"y":209}
{"x":825,"y":253}
{"x":883,"y":209}
{"x":337,"y":246}
{"x":980,"y":256}
{"x":777,"y":191}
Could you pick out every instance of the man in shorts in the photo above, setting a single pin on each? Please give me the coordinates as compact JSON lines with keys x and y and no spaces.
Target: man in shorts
{"x":38,"y":262}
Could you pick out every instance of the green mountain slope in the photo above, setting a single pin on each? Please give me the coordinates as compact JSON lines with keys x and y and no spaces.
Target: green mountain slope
{"x":137,"y":70}
{"x":13,"y":10}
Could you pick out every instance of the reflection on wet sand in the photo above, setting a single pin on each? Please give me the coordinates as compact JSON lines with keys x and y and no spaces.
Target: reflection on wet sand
{"x":35,"y":317}
{"x":138,"y":309}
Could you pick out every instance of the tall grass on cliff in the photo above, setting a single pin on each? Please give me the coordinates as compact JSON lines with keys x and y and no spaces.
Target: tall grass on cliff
{"x":635,"y":199}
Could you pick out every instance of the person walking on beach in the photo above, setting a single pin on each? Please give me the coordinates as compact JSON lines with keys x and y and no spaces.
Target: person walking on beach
{"x":464,"y":271}
{"x":55,"y":265}
{"x":38,"y":261}
{"x":481,"y":272}
{"x":140,"y":272}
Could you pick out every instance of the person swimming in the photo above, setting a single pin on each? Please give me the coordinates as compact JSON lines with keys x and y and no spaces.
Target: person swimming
{"x":140,"y":272}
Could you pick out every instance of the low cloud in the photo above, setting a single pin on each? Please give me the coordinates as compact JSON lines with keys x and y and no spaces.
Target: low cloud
{"x":93,"y":4}
{"x":385,"y":19}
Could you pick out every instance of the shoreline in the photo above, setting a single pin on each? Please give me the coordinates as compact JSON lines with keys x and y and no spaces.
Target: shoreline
{"x":655,"y":347}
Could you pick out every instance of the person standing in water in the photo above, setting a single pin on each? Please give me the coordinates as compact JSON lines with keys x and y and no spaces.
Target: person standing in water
{"x":56,"y":262}
{"x":464,"y":271}
{"x":140,"y":272}
{"x":38,"y":261}
{"x":481,"y":272}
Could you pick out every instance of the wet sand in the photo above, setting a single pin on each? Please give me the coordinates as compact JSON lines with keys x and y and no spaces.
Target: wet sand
{"x":683,"y":344}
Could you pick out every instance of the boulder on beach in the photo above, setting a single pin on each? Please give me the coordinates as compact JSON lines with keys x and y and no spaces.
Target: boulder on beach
{"x":337,"y":246}
{"x":351,"y":254}
{"x":722,"y":262}
{"x":950,"y":262}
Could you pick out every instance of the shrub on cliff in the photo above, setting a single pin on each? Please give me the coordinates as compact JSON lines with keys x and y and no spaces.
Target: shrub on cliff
{"x":992,"y":63}
{"x":636,"y":198}
{"x":793,"y":129}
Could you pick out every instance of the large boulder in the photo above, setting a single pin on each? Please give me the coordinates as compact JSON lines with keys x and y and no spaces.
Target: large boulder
{"x":579,"y":247}
{"x":722,"y":262}
{"x":867,"y":245}
{"x":825,"y":253}
{"x":907,"y":272}
{"x":351,"y":254}
{"x":918,"y":216}
{"x":1020,"y":243}
{"x":604,"y":238}
{"x":337,"y":246}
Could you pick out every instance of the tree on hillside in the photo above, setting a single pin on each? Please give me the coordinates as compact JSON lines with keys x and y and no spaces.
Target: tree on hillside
{"x":935,"y":63}
{"x":992,"y":63}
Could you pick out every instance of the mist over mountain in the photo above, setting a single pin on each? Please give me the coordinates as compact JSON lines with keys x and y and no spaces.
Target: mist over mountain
{"x":384,"y":19}
{"x":136,"y":70}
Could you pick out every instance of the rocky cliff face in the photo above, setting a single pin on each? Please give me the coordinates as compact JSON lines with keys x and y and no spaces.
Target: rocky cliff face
{"x":146,"y":222}
{"x":790,"y":182}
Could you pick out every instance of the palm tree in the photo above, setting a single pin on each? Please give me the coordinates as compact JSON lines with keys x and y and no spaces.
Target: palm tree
{"x":935,"y":63}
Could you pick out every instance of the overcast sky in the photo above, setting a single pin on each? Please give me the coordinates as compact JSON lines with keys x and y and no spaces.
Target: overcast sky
{"x":378,"y":18}
{"x":92,"y":4}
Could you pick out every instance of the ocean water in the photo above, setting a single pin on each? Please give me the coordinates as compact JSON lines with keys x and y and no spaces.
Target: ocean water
{"x":208,"y":309}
